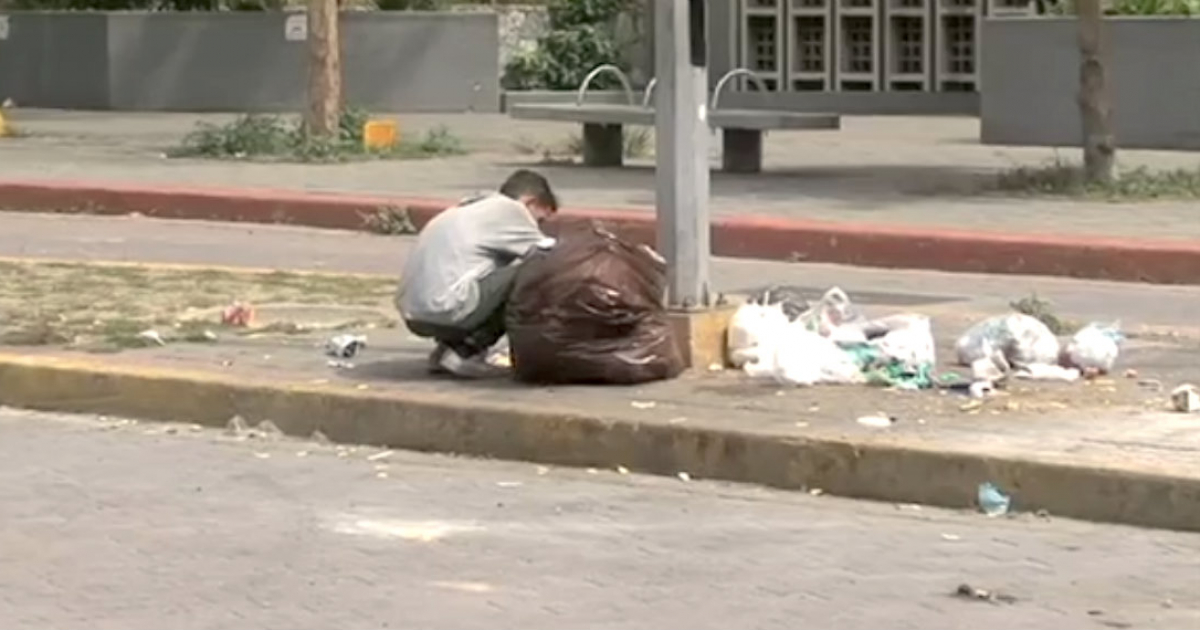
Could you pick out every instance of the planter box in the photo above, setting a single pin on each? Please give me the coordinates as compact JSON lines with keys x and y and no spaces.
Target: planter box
{"x":242,"y":62}
{"x":1030,"y":79}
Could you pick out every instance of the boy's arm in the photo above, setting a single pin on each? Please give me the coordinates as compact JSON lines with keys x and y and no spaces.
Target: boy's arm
{"x":511,"y":233}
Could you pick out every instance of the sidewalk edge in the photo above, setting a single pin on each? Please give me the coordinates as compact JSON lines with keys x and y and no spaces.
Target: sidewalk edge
{"x":871,"y":470}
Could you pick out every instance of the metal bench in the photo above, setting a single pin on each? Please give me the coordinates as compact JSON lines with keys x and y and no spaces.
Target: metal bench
{"x":603,"y":124}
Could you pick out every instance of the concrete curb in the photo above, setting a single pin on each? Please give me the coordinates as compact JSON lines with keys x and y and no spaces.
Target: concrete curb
{"x":880,"y":469}
{"x":769,"y":238}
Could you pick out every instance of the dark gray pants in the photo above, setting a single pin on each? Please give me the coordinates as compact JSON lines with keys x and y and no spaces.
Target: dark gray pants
{"x":484,"y":326}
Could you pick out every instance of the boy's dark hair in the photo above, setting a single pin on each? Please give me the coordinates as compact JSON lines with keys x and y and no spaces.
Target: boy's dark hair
{"x":528,"y":183}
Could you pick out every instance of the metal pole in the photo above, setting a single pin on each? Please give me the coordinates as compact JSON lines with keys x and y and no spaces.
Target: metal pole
{"x":681,"y":146}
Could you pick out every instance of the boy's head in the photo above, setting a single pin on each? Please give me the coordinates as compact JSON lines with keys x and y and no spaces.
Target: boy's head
{"x":533,"y":190}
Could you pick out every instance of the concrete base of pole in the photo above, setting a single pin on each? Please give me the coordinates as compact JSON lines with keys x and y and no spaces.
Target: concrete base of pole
{"x":701,"y":335}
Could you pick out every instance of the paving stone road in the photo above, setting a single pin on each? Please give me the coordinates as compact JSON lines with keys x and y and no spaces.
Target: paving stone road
{"x":109,"y":524}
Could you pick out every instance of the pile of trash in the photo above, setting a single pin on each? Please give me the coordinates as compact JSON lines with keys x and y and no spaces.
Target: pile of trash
{"x":777,"y":335}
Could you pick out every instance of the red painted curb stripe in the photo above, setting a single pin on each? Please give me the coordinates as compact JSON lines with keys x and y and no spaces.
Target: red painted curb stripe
{"x":769,"y":238}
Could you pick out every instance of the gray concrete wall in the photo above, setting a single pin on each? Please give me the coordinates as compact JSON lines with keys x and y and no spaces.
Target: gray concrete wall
{"x":242,"y":62}
{"x":1030,"y":78}
{"x":55,"y":60}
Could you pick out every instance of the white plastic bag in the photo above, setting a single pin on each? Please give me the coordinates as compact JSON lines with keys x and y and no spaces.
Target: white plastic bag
{"x":802,"y":357}
{"x":909,"y":340}
{"x":1096,"y":346}
{"x":1022,"y":339}
{"x":1047,"y":372}
{"x":752,"y":326}
{"x":833,"y":310}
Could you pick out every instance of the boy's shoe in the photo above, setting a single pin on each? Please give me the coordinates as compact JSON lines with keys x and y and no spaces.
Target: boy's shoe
{"x":474,"y":367}
{"x":435,"y":359}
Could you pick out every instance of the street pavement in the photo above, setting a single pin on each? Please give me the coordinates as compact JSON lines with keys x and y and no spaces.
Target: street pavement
{"x":1155,"y":308}
{"x":115,"y":524}
{"x":888,"y":170}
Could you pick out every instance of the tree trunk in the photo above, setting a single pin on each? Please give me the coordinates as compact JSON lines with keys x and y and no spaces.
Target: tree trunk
{"x":324,"y":69}
{"x":1095,"y":108}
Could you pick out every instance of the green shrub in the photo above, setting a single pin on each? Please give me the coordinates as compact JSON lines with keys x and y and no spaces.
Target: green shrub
{"x":267,"y":137}
{"x":581,"y":37}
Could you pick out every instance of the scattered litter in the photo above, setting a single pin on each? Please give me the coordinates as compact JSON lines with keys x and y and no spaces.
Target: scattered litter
{"x":509,"y":484}
{"x":319,"y":437}
{"x":981,"y":389}
{"x":238,"y":314}
{"x":1047,"y":372}
{"x":801,"y":424}
{"x":639,"y":404}
{"x":236,"y":426}
{"x":542,"y":470}
{"x":1185,"y":399}
{"x":267,"y":429}
{"x":877,"y":420}
{"x":816,"y":492}
{"x":802,"y":357}
{"x":593,"y":471}
{"x":973,"y":405}
{"x":380,"y":455}
{"x":339,"y":364}
{"x":152,"y":336}
{"x":361,"y":386}
{"x":301,"y":453}
{"x":684,"y":476}
{"x":753,"y":326}
{"x":1151,"y":383}
{"x":677,"y":420}
{"x":966,"y":591}
{"x":992,"y":501}
{"x":1096,"y":346}
{"x":171,"y":430}
{"x":716,"y":367}
{"x":788,"y":300}
{"x":951,"y":537}
{"x":913,"y":507}
{"x":262,"y":455}
{"x":208,"y":335}
{"x":621,"y":470}
{"x":195,"y":428}
{"x":381,"y":474}
{"x":1131,"y":373}
{"x":833,"y":311}
{"x":1021,"y":339}
{"x":990,"y":368}
{"x":345,"y":346}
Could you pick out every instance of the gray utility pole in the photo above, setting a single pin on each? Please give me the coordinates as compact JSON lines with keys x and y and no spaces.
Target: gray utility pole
{"x":681,"y":166}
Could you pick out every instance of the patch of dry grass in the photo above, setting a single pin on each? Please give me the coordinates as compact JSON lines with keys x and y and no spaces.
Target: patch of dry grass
{"x":107,"y":307}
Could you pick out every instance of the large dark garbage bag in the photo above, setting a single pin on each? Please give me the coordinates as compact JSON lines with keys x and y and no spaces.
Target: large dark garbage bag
{"x":590,"y":310}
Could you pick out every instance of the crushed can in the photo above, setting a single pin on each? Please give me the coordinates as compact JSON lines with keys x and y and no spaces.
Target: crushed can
{"x":345,"y":346}
{"x":238,"y":314}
